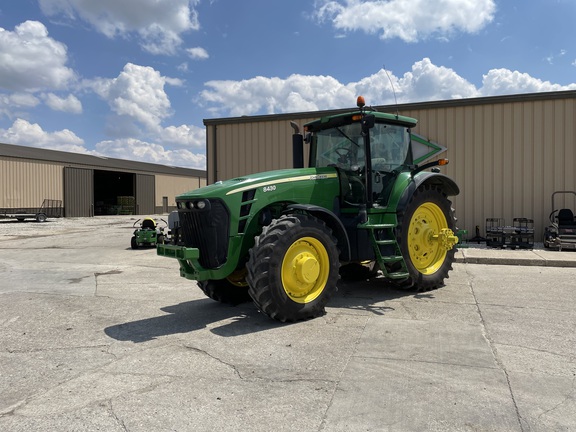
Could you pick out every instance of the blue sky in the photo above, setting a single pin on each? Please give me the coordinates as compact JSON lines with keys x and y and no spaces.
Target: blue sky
{"x":133,"y":79}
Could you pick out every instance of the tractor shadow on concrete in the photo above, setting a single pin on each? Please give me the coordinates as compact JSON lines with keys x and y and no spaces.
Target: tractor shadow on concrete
{"x":367,"y":295}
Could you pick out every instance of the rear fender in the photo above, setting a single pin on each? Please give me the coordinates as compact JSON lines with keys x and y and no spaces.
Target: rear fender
{"x":444,"y":183}
{"x":332,"y":221}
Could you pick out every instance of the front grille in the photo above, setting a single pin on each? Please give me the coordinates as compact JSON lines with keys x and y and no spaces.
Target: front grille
{"x":208,"y":231}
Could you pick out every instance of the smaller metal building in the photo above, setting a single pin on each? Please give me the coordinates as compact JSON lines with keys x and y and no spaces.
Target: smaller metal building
{"x":90,"y":185}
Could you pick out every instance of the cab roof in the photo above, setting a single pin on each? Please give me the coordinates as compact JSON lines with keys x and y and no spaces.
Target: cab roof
{"x":352,"y":116}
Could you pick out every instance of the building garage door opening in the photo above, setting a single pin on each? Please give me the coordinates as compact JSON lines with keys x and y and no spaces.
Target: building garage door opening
{"x":113,"y":193}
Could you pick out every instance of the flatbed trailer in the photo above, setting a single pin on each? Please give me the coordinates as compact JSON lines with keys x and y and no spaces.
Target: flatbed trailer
{"x":50,"y":208}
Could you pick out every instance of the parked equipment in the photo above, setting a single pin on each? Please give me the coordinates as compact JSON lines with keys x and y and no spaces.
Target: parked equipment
{"x":50,"y":209}
{"x":364,"y":204}
{"x":148,"y":234}
{"x":561,"y":234}
{"x":519,"y":235}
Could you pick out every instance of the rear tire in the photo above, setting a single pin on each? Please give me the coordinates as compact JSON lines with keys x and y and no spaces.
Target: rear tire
{"x":293,"y":268}
{"x":427,"y":258}
{"x":133,"y":243}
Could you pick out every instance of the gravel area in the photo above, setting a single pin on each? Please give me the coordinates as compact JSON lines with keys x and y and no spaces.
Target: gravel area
{"x":11,"y":228}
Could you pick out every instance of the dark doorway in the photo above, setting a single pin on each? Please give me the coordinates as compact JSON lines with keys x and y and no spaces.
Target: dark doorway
{"x":113,"y":193}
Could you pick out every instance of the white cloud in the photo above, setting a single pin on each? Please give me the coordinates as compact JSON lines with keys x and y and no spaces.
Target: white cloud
{"x":31,"y":134}
{"x":70,"y":104}
{"x":424,"y":82}
{"x":197,"y":53}
{"x":9,"y":102}
{"x":159,"y":24}
{"x":274,"y":95}
{"x":504,"y":81}
{"x":31,"y":61}
{"x":26,"y":100}
{"x":184,"y":136}
{"x":409,"y":20}
{"x":134,"y":149}
{"x":16,"y":104}
{"x":427,"y":81}
{"x":138,"y":92}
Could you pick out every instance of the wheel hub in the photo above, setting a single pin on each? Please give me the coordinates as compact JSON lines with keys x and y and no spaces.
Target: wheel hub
{"x":307,"y":268}
{"x":446,"y":239}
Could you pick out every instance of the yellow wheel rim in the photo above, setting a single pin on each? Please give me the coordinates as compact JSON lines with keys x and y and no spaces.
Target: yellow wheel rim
{"x":305,"y":269}
{"x":429,"y":238}
{"x":238,"y":278}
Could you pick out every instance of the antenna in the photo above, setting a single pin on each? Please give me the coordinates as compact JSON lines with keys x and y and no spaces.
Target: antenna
{"x":393,"y":90}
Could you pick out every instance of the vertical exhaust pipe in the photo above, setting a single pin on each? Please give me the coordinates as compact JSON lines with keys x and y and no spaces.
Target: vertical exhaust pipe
{"x":297,"y":146}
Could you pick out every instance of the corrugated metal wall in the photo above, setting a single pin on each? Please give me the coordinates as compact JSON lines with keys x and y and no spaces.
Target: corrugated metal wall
{"x":145,"y":194}
{"x":508,"y":154}
{"x":507,"y":158}
{"x":242,"y":148}
{"x":78,"y":192}
{"x":27,"y":183}
{"x":172,"y":186}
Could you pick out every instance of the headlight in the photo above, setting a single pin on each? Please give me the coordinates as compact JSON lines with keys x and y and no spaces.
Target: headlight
{"x":200,"y":204}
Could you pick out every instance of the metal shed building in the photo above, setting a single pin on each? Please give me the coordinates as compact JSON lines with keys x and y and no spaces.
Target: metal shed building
{"x":90,"y":185}
{"x":508,"y":154}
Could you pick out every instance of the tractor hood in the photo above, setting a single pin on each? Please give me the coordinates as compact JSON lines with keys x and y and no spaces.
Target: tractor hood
{"x":269,"y":181}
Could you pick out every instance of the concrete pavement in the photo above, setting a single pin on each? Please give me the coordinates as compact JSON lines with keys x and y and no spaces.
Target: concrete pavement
{"x":96,"y":336}
{"x":479,"y":254}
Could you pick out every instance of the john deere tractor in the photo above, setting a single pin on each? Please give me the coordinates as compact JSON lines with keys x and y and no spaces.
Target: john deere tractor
{"x":284,"y":238}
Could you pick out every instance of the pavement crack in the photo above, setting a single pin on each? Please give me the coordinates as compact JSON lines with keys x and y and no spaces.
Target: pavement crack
{"x":230,"y":365}
{"x":568,"y":397}
{"x":115,"y":416}
{"x":98,"y":274}
{"x":543,"y":351}
{"x":497,"y":359}
{"x":353,"y":352}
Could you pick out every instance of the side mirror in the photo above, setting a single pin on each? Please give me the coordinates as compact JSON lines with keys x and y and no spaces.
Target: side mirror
{"x":368,"y":122}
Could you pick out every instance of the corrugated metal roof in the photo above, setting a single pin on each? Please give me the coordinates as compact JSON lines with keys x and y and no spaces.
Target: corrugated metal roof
{"x":67,"y":158}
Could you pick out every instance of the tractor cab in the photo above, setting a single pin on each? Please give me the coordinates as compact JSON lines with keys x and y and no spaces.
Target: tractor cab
{"x":369,"y":149}
{"x":368,"y":152}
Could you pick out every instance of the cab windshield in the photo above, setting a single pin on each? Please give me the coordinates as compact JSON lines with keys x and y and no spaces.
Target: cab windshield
{"x":343,"y":147}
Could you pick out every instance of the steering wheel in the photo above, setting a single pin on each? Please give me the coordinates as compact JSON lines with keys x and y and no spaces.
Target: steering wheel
{"x":343,"y":153}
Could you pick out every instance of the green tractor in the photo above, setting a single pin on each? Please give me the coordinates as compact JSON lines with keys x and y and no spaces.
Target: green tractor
{"x":284,"y":238}
{"x":148,"y":234}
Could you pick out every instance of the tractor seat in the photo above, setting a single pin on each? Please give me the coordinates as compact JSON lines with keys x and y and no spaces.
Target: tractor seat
{"x":148,"y":224}
{"x":566,"y":223}
{"x":566,"y":218}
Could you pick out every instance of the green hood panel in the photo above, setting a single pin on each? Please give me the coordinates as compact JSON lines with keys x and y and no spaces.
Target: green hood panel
{"x":282,"y":184}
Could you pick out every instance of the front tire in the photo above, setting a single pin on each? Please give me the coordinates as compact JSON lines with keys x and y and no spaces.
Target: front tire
{"x":225,"y":291}
{"x":426,"y":236}
{"x":293,"y":268}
